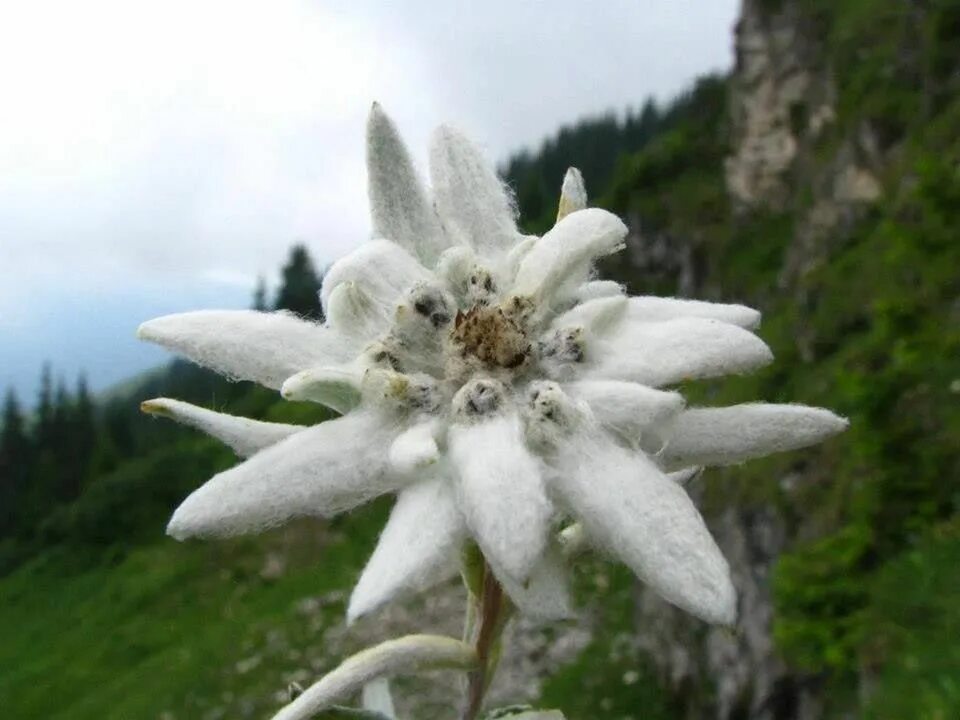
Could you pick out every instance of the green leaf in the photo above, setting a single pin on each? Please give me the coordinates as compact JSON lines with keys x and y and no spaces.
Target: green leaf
{"x":393,"y":657}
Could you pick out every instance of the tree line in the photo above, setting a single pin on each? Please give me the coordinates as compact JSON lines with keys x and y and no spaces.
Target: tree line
{"x":598,"y":146}
{"x":51,"y":454}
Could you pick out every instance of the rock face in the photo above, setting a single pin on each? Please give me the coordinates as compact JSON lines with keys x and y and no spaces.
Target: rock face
{"x":788,"y":152}
{"x":658,"y":257}
{"x":747,"y":677}
{"x":783,"y":102}
{"x":781,"y":98}
{"x":783,"y":117}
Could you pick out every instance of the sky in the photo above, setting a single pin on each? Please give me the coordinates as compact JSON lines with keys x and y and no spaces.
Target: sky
{"x":159,"y":157}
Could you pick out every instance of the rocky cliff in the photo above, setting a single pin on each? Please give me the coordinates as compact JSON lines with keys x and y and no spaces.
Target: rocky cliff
{"x":835,"y":210}
{"x":781,"y":105}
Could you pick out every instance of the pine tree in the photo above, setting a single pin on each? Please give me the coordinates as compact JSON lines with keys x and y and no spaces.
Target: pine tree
{"x":14,"y":462}
{"x":300,"y":285}
{"x":260,"y":295}
{"x":59,"y":444}
{"x":44,"y":405}
{"x":82,"y":438}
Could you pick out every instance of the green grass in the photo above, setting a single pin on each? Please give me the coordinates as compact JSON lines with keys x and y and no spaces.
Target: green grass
{"x":163,"y":627}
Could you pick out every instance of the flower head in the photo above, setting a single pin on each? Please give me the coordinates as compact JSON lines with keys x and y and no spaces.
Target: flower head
{"x":498,"y":389}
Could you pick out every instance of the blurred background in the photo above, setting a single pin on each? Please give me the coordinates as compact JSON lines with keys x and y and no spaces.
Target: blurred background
{"x":800,"y":156}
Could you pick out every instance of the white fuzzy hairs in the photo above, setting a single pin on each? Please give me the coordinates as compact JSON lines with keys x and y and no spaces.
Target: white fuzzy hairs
{"x":498,"y":390}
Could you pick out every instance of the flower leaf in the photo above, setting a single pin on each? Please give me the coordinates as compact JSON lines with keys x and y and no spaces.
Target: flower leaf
{"x":244,"y":436}
{"x":403,"y":655}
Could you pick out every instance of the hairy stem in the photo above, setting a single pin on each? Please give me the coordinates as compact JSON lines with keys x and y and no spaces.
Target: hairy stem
{"x":490,"y":617}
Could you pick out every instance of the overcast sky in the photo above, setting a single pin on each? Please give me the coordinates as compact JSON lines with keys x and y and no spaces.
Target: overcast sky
{"x":158,"y":156}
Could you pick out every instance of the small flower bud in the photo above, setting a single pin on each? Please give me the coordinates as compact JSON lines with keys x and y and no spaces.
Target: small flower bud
{"x":549,"y":413}
{"x":479,"y":398}
{"x":382,"y":356}
{"x":565,"y":345}
{"x":481,"y":287}
{"x":399,"y":392}
{"x":431,"y":303}
{"x":560,"y":350}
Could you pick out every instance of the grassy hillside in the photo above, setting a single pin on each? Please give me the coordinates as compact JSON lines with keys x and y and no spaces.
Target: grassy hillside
{"x":173,"y":630}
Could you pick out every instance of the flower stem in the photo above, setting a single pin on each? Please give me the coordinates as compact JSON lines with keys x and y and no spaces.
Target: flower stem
{"x":492,"y":612}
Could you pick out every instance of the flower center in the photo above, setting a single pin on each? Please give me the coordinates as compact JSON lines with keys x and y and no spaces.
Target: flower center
{"x":491,"y":338}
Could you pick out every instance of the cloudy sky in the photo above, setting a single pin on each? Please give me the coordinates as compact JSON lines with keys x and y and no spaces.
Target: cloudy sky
{"x":159,"y":156}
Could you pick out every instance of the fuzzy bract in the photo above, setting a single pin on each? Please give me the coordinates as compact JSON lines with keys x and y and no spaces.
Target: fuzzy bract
{"x":497,"y":387}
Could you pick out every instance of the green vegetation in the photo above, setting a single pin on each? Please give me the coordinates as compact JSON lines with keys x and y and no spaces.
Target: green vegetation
{"x":107,"y":474}
{"x":103,"y":617}
{"x":913,"y":624}
{"x":299,"y":287}
{"x":611,"y":674}
{"x":172,"y":628}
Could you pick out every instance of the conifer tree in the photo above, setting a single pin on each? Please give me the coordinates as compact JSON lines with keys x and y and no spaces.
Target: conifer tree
{"x":14,"y":461}
{"x":59,"y":443}
{"x":44,"y":405}
{"x":82,"y":438}
{"x":260,"y":295}
{"x":300,"y":285}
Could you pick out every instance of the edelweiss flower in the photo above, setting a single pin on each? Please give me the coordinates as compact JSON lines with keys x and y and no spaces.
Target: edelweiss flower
{"x":495,"y":387}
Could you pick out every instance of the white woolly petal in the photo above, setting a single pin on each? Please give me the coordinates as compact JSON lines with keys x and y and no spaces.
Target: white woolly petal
{"x":628,"y":409}
{"x":516,"y":255}
{"x":415,"y":448}
{"x":399,"y":206}
{"x":393,"y":657}
{"x":647,"y":308}
{"x":546,"y":595}
{"x":728,"y":435}
{"x":662,"y":353}
{"x":593,"y":315}
{"x":421,"y":322}
{"x":632,"y":510}
{"x":469,"y":195}
{"x":418,"y":548}
{"x":500,"y":492}
{"x":573,"y":194}
{"x":321,"y":471}
{"x":356,"y":316}
{"x":573,"y":539}
{"x":397,"y":392}
{"x":243,"y":435}
{"x":561,"y":259}
{"x":247,"y":345}
{"x":383,"y":270}
{"x":596,"y":289}
{"x":336,"y":387}
{"x":454,"y":268}
{"x":376,"y":696}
